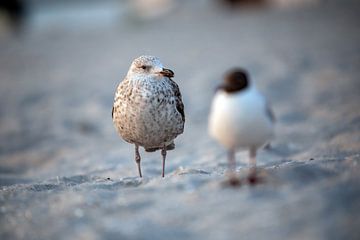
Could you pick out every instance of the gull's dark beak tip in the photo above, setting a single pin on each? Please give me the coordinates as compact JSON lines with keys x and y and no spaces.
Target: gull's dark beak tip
{"x":220,"y":87}
{"x":167,"y":73}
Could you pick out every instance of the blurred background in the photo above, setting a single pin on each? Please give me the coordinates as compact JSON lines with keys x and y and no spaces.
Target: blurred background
{"x":64,"y":172}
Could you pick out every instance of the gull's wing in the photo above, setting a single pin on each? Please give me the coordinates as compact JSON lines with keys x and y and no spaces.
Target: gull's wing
{"x":269,"y":112}
{"x":120,"y":90}
{"x":178,"y":98}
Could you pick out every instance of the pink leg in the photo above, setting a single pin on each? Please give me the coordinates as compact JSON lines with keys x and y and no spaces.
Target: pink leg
{"x":231,"y":160}
{"x":163,"y":153}
{"x":252,"y":178}
{"x":233,"y":179}
{"x":138,"y":159}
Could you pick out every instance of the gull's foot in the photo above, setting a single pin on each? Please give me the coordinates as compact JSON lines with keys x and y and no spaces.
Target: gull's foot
{"x":268,"y":147}
{"x":232,"y":181}
{"x":253,"y":178}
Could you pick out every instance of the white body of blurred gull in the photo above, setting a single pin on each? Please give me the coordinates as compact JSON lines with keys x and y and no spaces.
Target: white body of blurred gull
{"x":148,"y":109}
{"x":152,"y":9}
{"x":240,"y":118}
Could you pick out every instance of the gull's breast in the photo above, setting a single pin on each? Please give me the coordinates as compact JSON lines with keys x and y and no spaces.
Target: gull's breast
{"x":148,"y":116}
{"x":239,"y":120}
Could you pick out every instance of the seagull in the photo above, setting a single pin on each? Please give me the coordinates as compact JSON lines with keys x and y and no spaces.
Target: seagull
{"x":240,"y":118}
{"x":148,"y":110}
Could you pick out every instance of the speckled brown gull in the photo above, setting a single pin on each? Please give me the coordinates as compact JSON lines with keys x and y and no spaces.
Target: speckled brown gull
{"x":148,"y":110}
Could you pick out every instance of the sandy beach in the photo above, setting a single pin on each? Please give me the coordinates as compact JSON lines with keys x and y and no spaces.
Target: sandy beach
{"x":66,"y":174}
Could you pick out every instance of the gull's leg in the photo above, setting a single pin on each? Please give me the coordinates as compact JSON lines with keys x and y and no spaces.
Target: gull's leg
{"x":252,"y":158}
{"x":252,"y":178}
{"x":233,"y":180}
{"x":163,"y":154}
{"x":138,"y":159}
{"x":231,"y":161}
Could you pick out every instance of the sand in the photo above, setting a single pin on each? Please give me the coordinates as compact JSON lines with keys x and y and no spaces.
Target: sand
{"x":65,"y":174}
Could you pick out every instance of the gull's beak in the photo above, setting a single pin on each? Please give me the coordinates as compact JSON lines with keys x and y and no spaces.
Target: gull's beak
{"x":221,"y":87}
{"x":226,"y":87}
{"x":167,"y":73}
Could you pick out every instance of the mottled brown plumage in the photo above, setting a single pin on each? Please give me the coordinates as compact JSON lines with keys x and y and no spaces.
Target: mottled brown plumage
{"x":148,"y":109}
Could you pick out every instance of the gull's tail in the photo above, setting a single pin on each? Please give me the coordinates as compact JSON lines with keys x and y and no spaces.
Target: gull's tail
{"x":170,"y":146}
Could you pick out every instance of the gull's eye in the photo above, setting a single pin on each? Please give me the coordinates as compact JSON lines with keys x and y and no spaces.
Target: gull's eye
{"x":144,"y":67}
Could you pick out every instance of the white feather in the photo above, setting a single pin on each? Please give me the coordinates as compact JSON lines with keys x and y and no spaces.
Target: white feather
{"x":239,"y":120}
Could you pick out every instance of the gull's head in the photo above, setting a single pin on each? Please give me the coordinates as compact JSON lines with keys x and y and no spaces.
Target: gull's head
{"x":149,"y":66}
{"x":235,"y":80}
